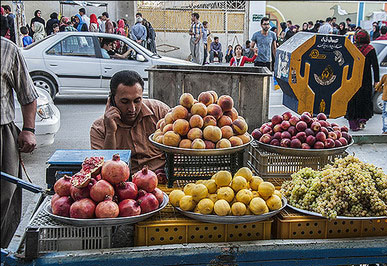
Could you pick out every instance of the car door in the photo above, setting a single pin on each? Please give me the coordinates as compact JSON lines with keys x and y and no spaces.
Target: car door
{"x":74,"y":60}
{"x":136,"y":61}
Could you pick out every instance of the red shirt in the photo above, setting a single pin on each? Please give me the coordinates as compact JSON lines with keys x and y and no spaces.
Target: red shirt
{"x":382,"y":38}
{"x":243,"y":59}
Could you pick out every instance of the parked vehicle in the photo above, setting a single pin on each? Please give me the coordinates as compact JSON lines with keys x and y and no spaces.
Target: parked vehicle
{"x":72,"y":62}
{"x":47,"y":121}
{"x":381,"y":51}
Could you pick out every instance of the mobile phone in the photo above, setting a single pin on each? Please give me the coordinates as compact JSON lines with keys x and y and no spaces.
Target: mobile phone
{"x":112,"y":102}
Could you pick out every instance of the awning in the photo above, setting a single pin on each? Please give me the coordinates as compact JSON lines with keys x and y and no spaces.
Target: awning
{"x":84,"y":3}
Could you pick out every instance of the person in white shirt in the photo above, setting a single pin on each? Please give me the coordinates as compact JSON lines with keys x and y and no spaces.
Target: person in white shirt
{"x":85,"y":18}
{"x":327,"y":27}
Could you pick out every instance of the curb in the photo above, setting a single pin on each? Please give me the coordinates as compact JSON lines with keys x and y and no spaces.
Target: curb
{"x":369,"y":139}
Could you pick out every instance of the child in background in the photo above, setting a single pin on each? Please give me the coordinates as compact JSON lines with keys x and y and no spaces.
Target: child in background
{"x":55,"y":29}
{"x":383,"y":85}
{"x":27,"y":40}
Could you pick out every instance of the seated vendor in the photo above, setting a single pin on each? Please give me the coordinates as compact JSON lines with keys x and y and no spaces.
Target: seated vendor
{"x":128,"y":122}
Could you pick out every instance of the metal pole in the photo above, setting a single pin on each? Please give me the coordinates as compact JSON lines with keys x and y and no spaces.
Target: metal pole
{"x":246,"y":21}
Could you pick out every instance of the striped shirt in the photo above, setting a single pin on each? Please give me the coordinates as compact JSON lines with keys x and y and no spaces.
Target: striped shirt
{"x":14,"y":76}
{"x":196,"y":28}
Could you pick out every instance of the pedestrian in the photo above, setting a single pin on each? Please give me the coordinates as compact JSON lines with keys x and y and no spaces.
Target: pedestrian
{"x":239,"y":59}
{"x":273,"y":29}
{"x":382,"y":86}
{"x":360,"y":107}
{"x":121,"y":28}
{"x":348,"y":22}
{"x":138,"y":32}
{"x":63,"y":23}
{"x":342,"y":28}
{"x":14,"y":78}
{"x":310,"y":26}
{"x":216,"y":51}
{"x":150,"y":34}
{"x":94,"y":26}
{"x":109,"y":28}
{"x":53,"y":20}
{"x":247,"y":51}
{"x":70,"y":25}
{"x":27,"y":40}
{"x":39,"y":32}
{"x":37,"y":18}
{"x":55,"y":29}
{"x":229,"y":54}
{"x":196,"y":40}
{"x":383,"y":31}
{"x":281,"y":37}
{"x":80,"y":25}
{"x":376,"y":32}
{"x":85,"y":18}
{"x":288,"y":25}
{"x":4,"y":25}
{"x":326,"y":28}
{"x":11,"y":22}
{"x":101,"y":24}
{"x":304,"y":26}
{"x":290,"y":33}
{"x":266,"y":44}
{"x":206,"y":34}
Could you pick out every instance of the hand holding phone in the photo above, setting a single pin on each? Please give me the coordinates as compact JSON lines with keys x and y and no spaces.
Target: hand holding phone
{"x":112,"y":114}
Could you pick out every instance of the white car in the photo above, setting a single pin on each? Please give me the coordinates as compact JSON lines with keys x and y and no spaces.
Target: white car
{"x":47,"y":121}
{"x":72,"y":62}
{"x":381,"y":52}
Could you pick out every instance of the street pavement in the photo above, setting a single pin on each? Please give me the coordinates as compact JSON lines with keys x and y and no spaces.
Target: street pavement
{"x":79,"y":112}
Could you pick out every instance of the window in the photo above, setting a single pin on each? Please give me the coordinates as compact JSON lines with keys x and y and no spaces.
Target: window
{"x":384,"y":62}
{"x":55,"y":50}
{"x":118,"y":49}
{"x":78,"y":46}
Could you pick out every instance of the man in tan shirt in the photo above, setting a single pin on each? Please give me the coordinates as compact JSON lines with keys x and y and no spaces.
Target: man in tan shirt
{"x":128,"y":121}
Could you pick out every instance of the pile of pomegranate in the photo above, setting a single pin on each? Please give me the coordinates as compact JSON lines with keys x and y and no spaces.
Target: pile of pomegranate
{"x":102,"y":190}
{"x":305,"y":132}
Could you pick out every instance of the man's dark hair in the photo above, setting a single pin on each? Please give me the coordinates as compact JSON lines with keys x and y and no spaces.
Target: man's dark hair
{"x":348,"y":19}
{"x":216,"y":38}
{"x":54,"y":15}
{"x":106,"y":14}
{"x":196,"y":15}
{"x":55,"y":25}
{"x":82,"y":10}
{"x":205,"y":22}
{"x":138,"y":14}
{"x":310,"y":23}
{"x":289,"y":21}
{"x":248,"y":42}
{"x":106,"y":41}
{"x":24,"y":30}
{"x":329,"y":19}
{"x":126,"y":77}
{"x":334,"y":18}
{"x":36,"y":12}
{"x":264,"y":19}
{"x":383,"y":30}
{"x":7,"y":8}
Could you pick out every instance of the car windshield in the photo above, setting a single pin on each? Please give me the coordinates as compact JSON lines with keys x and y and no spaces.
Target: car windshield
{"x":378,"y":47}
{"x":36,"y":43}
{"x":143,"y":49}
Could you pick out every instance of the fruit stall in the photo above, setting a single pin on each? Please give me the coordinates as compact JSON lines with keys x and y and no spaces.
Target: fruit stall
{"x":289,"y":193}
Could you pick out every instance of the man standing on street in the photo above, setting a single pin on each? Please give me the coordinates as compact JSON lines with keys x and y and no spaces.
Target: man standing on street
{"x":14,"y":78}
{"x":216,"y":50}
{"x":327,"y":27}
{"x":206,"y":34}
{"x":109,"y":28}
{"x":266,"y":41}
{"x":138,"y":32}
{"x":11,"y":22}
{"x":150,"y":34}
{"x":196,"y":41}
{"x":84,"y":17}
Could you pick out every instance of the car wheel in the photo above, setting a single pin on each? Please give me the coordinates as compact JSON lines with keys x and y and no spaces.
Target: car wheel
{"x":45,"y":83}
{"x":378,"y":102}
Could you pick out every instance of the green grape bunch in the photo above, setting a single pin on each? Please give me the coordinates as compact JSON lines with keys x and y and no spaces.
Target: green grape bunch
{"x":347,"y":187}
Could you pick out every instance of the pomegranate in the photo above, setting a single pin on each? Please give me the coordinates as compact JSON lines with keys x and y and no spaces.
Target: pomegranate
{"x":54,"y":198}
{"x":92,"y":165}
{"x":115,"y":171}
{"x":100,"y":190}
{"x":61,"y":206}
{"x":62,"y":186}
{"x":81,"y":180}
{"x":158,"y":194}
{"x":129,"y":207}
{"x":81,"y":193}
{"x":145,"y":179}
{"x":107,"y":209}
{"x":148,"y":203}
{"x":82,"y":209}
{"x":141,"y":193}
{"x":126,"y":190}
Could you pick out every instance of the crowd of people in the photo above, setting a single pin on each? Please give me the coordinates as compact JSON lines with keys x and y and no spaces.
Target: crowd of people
{"x":142,"y":31}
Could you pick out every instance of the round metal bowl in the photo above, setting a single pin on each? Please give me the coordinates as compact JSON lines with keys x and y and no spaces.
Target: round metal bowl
{"x":338,"y":217}
{"x":104,"y":221}
{"x":211,"y":218}
{"x":203,"y":152}
{"x":302,"y":152}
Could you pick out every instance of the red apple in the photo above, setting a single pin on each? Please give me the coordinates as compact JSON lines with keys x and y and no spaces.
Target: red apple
{"x":325,"y":131}
{"x":332,"y":135}
{"x":294,"y":120}
{"x":344,"y":129}
{"x":277,"y":135}
{"x":329,"y":143}
{"x":321,"y":116}
{"x":262,"y":127}
{"x":323,"y":123}
{"x":307,"y":119}
{"x":301,"y":136}
{"x":338,"y":143}
{"x":316,"y":126}
{"x":305,"y":146}
{"x":266,"y":138}
{"x":343,"y":141}
{"x":277,"y":128}
{"x":293,"y":137}
{"x":285,"y":143}
{"x":336,"y":128}
{"x":277,"y":119}
{"x":285,"y":135}
{"x":320,"y":136}
{"x":285,"y":125}
{"x":338,"y":134}
{"x":301,"y":126}
{"x":275,"y":142}
{"x":267,"y":130}
{"x":292,"y":130}
{"x":295,"y":143}
{"x":318,"y":145}
{"x":287,"y":115}
{"x":311,"y":140}
{"x":334,"y":124}
{"x":257,"y":134}
{"x":309,"y":132}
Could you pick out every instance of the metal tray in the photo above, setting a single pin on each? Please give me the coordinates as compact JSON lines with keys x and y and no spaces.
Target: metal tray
{"x":302,"y":152}
{"x":338,"y":217}
{"x":105,"y":221}
{"x":202,"y":152}
{"x":210,"y":218}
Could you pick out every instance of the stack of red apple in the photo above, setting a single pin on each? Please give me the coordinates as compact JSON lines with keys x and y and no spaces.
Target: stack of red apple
{"x":305,"y":132}
{"x":101,"y":190}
